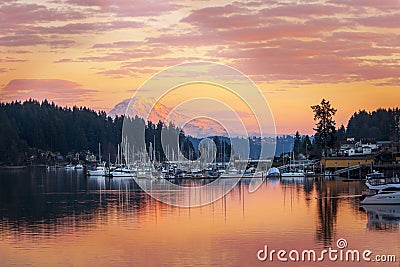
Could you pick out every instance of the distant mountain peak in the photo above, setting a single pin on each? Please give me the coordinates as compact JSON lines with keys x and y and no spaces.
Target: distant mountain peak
{"x":141,"y":107}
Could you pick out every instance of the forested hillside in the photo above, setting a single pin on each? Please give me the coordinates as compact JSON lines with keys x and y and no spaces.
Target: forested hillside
{"x":382,"y":124}
{"x":47,"y":127}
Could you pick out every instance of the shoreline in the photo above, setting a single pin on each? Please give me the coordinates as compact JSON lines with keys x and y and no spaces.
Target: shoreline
{"x":19,"y":167}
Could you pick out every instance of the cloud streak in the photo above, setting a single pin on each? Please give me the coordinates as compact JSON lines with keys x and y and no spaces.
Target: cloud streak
{"x":62,"y":91}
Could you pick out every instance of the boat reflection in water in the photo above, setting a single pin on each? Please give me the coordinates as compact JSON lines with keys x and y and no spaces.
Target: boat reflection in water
{"x":382,"y":217}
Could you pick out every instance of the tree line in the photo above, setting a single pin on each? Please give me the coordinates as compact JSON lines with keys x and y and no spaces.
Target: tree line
{"x":43,"y":126}
{"x":379,"y":125}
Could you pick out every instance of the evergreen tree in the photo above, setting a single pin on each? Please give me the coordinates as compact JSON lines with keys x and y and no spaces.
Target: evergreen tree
{"x":325,"y":129}
{"x":297,"y":144}
{"x":306,"y":146}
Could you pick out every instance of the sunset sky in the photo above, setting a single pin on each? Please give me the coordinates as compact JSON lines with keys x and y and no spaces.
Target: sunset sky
{"x":98,"y":52}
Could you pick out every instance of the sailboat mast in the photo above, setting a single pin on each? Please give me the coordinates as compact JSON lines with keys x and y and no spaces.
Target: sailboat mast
{"x":99,"y":153}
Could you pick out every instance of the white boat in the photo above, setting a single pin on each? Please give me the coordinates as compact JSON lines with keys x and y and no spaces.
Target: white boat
{"x":231,"y":173}
{"x":377,"y":181}
{"x":98,"y":171}
{"x":310,"y":173}
{"x":293,"y":174}
{"x":69,"y":167}
{"x":384,"y":197}
{"x":121,"y":172}
{"x":79,"y":167}
{"x":273,"y":172}
{"x":375,"y":175}
{"x":53,"y":167}
{"x":144,"y":172}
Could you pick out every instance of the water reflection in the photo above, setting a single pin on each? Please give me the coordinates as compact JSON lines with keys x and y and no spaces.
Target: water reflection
{"x":327,"y":211}
{"x":383,"y":217}
{"x":55,"y":213}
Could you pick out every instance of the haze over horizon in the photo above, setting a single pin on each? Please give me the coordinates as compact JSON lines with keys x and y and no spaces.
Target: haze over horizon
{"x":97,"y":53}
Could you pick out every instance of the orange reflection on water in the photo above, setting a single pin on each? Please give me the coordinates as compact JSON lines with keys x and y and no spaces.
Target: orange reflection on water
{"x":136,"y":230}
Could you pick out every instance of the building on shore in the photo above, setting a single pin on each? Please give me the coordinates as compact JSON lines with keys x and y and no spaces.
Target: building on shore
{"x":345,"y":162}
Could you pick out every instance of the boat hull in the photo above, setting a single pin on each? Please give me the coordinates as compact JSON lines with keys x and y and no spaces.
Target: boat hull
{"x":293,"y":174}
{"x":382,"y":199}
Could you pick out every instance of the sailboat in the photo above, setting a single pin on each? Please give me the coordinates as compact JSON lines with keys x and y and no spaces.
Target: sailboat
{"x":120,"y":169}
{"x":293,"y":173}
{"x":100,"y":169}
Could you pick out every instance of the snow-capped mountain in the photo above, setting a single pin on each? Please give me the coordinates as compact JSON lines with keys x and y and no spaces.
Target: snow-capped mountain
{"x":142,"y":106}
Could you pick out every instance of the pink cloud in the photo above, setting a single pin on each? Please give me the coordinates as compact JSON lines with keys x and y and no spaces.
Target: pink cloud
{"x":120,"y":44}
{"x":332,"y":60}
{"x":127,"y":55}
{"x":221,"y":21}
{"x":19,"y":52}
{"x":378,"y":72}
{"x":27,"y":14}
{"x":122,"y":55}
{"x":33,"y":40}
{"x":314,"y":42}
{"x":130,"y":8}
{"x":218,"y":11}
{"x":359,"y":36}
{"x":62,"y":91}
{"x":302,"y":10}
{"x":276,"y":28}
{"x":98,"y":3}
{"x":217,"y":17}
{"x":21,"y":40}
{"x":381,"y":4}
{"x":119,"y":73}
{"x":64,"y":60}
{"x":187,"y":40}
{"x":382,"y":21}
{"x":12,"y":60}
{"x":158,"y":62}
{"x":88,"y":28}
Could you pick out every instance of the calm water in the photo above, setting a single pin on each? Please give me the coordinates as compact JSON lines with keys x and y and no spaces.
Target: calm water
{"x":61,"y":218}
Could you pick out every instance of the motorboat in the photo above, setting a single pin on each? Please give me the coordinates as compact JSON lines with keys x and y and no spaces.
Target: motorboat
{"x":69,"y":167}
{"x":310,"y":173}
{"x":378,"y":181}
{"x":375,"y":175}
{"x":53,"y":167}
{"x":98,"y":171}
{"x":121,"y":172}
{"x":273,"y":172}
{"x":231,"y":173}
{"x":293,"y":174}
{"x":79,"y":167}
{"x":386,"y":196}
